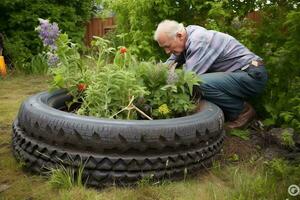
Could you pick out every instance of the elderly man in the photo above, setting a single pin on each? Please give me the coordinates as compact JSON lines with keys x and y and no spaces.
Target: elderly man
{"x":231,"y":73}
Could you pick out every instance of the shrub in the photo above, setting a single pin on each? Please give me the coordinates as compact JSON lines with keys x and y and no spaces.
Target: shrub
{"x":281,"y":53}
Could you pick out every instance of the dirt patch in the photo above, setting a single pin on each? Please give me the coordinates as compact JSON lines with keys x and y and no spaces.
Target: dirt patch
{"x":241,"y":149}
{"x":261,"y":143}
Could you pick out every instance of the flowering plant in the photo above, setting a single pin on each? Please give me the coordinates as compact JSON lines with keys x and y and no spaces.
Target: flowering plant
{"x":48,"y":33}
{"x":110,"y":82}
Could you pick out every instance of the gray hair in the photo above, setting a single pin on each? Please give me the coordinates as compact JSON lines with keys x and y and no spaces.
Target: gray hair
{"x":168,"y":27}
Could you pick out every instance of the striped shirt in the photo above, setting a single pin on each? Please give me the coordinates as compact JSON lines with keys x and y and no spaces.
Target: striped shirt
{"x":212,"y":51}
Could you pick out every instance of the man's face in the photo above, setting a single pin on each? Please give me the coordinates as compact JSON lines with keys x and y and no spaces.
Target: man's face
{"x":175,"y":45}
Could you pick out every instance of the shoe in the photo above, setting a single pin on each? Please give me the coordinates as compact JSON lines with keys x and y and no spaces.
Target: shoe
{"x":246,"y":116}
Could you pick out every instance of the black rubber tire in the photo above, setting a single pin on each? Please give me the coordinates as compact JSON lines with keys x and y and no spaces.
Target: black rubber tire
{"x":114,"y":151}
{"x":40,"y":118}
{"x":108,"y":169}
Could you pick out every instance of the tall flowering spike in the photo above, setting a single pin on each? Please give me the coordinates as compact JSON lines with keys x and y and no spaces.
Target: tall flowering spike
{"x":48,"y":32}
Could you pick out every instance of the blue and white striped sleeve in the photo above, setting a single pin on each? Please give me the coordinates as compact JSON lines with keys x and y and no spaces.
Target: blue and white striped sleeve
{"x":199,"y":56}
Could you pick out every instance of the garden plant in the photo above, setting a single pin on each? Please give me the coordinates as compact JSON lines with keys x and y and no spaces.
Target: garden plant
{"x":112,"y":83}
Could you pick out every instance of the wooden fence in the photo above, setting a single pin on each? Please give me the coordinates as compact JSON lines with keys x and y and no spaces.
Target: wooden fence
{"x":98,"y":27}
{"x":255,"y":16}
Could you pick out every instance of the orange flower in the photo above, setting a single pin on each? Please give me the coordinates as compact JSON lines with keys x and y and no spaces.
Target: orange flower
{"x":123,"y":50}
{"x":81,"y":87}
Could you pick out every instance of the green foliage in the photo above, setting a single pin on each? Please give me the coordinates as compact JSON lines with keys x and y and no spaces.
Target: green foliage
{"x":243,"y":134}
{"x":108,"y":85}
{"x":111,"y":91}
{"x":114,"y":87}
{"x":282,"y":57}
{"x":287,"y":139}
{"x":71,"y":69}
{"x":167,"y":99}
{"x":37,"y":65}
{"x":19,"y":18}
{"x":281,"y":169}
{"x":268,"y":180}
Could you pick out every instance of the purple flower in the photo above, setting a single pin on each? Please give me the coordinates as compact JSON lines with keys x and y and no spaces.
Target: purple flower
{"x":48,"y":32}
{"x":53,"y":59}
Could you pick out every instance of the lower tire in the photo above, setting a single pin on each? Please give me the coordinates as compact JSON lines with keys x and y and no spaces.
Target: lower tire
{"x":100,"y":170}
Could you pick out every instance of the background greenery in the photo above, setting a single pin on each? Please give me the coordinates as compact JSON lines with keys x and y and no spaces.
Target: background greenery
{"x":19,"y":18}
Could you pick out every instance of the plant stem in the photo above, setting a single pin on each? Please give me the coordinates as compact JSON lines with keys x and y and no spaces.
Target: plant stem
{"x":140,"y":111}
{"x":129,"y":107}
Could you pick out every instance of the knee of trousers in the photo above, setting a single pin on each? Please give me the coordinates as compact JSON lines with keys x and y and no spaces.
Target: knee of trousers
{"x":209,"y":91}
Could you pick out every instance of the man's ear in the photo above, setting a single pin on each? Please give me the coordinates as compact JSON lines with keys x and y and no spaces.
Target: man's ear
{"x":180,"y":35}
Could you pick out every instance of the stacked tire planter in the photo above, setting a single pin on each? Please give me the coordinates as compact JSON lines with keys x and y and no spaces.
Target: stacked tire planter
{"x":114,"y":151}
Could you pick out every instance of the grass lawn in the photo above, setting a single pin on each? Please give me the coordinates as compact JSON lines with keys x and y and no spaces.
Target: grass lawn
{"x":241,"y":173}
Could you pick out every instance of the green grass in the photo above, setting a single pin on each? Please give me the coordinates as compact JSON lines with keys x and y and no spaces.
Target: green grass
{"x":239,"y":180}
{"x":62,"y":177}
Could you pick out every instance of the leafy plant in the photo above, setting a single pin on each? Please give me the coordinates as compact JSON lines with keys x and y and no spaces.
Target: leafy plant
{"x":112,"y":83}
{"x":37,"y":65}
{"x":111,"y":90}
{"x":282,"y":99}
{"x":170,"y":91}
{"x":287,"y":139}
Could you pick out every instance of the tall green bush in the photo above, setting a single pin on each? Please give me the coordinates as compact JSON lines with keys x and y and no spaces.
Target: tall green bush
{"x":281,"y":52}
{"x":18,"y":20}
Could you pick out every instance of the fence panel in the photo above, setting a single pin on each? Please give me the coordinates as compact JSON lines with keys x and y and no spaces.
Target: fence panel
{"x":98,"y":27}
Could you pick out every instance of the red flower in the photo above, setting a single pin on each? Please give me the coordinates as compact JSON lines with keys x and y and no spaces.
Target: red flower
{"x":81,"y":87}
{"x":123,"y":50}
